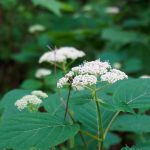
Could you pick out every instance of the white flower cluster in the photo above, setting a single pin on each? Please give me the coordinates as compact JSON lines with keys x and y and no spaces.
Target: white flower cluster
{"x":112,"y":10}
{"x":40,"y":73}
{"x":81,"y":81}
{"x":34,"y":98}
{"x":61,"y":55}
{"x":94,"y":68}
{"x":113,"y":76}
{"x":39,"y":93}
{"x":88,"y":74}
{"x":36,"y":28}
{"x":145,"y":77}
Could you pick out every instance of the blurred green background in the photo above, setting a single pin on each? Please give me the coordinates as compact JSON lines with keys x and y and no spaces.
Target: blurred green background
{"x":114,"y":30}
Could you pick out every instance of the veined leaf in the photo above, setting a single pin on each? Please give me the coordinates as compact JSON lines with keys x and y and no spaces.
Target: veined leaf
{"x":132,"y":123}
{"x":86,"y":114}
{"x":7,"y":102}
{"x":39,"y":130}
{"x":132,"y":93}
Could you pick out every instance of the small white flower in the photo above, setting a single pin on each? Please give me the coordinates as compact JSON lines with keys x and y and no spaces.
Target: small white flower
{"x":80,"y":81}
{"x":75,"y":69}
{"x":21,"y":104}
{"x":113,"y":76}
{"x":145,"y":76}
{"x":40,"y":73}
{"x":39,"y":93}
{"x":52,"y":56}
{"x":94,"y":67}
{"x":62,"y":82}
{"x":117,"y":65}
{"x":32,"y":99}
{"x":61,"y":55}
{"x":71,"y":52}
{"x":69,"y":74}
{"x":112,"y":10}
{"x":36,"y":28}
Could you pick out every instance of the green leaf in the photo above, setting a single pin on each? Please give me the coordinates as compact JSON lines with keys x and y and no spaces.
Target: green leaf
{"x":39,"y":130}
{"x":8,"y":3}
{"x":132,"y":123}
{"x":132,"y":93}
{"x":87,"y":116}
{"x":31,"y":84}
{"x":52,"y":5}
{"x":55,"y":103}
{"x":7,"y":102}
{"x":25,"y":56}
{"x":132,"y":65}
{"x":111,"y":139}
{"x":117,"y":35}
{"x":135,"y":148}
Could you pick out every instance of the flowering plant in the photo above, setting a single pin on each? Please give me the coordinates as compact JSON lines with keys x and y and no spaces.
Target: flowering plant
{"x":92,"y":100}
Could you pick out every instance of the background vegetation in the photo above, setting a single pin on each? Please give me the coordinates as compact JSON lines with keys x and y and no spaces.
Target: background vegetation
{"x":122,"y":38}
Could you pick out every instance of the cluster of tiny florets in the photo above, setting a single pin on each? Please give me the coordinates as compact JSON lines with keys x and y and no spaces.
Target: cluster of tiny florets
{"x":88,"y":74}
{"x":145,"y":76}
{"x":61,"y":55}
{"x":113,"y":76}
{"x":39,"y":93}
{"x":42,"y":72}
{"x":112,"y":10}
{"x":94,"y":67}
{"x":34,"y":98}
{"x":81,"y":81}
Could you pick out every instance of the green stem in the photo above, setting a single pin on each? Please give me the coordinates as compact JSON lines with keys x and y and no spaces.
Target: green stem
{"x":110,"y":123}
{"x":90,"y":135}
{"x":102,"y":87}
{"x":80,"y":133}
{"x":64,"y":67}
{"x":67,"y":102}
{"x":100,"y":128}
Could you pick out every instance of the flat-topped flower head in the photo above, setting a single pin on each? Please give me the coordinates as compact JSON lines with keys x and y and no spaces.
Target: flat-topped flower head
{"x":42,"y":72}
{"x":88,"y":73}
{"x":36,"y":28}
{"x":62,"y":82}
{"x":21,"y":104}
{"x":39,"y":94}
{"x":61,"y":55}
{"x":112,"y":10}
{"x":52,"y":56}
{"x":34,"y":99}
{"x":113,"y":76}
{"x":81,"y":81}
{"x":145,"y":77}
{"x":94,"y":67}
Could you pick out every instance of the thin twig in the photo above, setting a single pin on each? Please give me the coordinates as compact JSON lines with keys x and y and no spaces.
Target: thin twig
{"x":66,"y":110}
{"x":110,"y":123}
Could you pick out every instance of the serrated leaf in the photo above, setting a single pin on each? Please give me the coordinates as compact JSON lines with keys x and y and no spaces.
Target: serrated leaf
{"x":132,"y":93}
{"x":39,"y":130}
{"x":132,"y":123}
